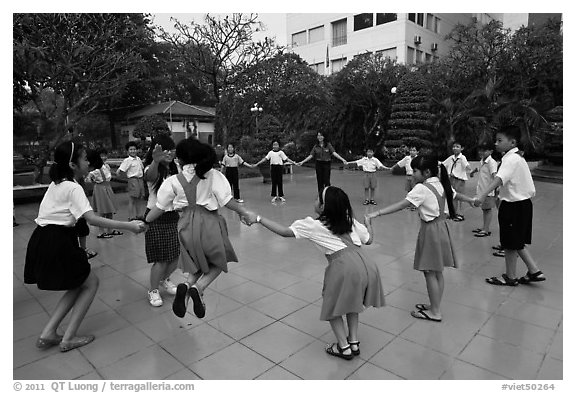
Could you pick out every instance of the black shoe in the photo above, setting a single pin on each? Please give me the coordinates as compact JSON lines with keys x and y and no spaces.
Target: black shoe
{"x":199,"y":306}
{"x":179,"y":304}
{"x":373,"y":202}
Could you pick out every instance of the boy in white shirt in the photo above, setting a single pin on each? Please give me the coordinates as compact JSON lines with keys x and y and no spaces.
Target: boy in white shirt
{"x":515,"y":212}
{"x":133,"y":169}
{"x":370,"y":165}
{"x":458,"y":168}
{"x":487,"y":171}
{"x":405,"y":163}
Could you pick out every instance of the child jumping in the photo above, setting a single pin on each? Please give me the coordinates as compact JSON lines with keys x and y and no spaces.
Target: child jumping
{"x":515,"y":211}
{"x":487,"y":170}
{"x":198,"y":191}
{"x":231,"y":161}
{"x":133,"y":169}
{"x":370,"y":165}
{"x":103,"y":201}
{"x":277,"y":158}
{"x":458,"y":167}
{"x":54,"y":259}
{"x":434,"y":247}
{"x":351,"y":280}
{"x":161,"y":239}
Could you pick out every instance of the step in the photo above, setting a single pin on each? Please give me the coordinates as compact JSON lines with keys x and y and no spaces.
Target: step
{"x":547,"y":178}
{"x":549,"y":169}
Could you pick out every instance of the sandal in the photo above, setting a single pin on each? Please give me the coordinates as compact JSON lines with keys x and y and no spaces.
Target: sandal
{"x":65,"y":347}
{"x":500,"y":253}
{"x":457,"y":218}
{"x":366,"y":202}
{"x":356,"y":351}
{"x":482,"y":233}
{"x":45,"y":343}
{"x":422,"y":307}
{"x":498,"y":248}
{"x":421,"y":314}
{"x":532,"y":277}
{"x":507,"y":281}
{"x":339,"y":351}
{"x":105,"y":235}
{"x":116,"y":233}
{"x":477,"y":230}
{"x":90,"y":253}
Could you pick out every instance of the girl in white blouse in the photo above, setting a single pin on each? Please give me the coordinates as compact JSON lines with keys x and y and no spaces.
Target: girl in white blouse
{"x":433,"y":197}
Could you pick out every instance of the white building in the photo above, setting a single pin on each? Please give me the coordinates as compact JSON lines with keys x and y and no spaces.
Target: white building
{"x":328,"y":41}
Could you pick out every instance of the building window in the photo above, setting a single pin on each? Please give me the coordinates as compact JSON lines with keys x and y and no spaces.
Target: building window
{"x":318,"y":67}
{"x":338,"y":64}
{"x":299,"y":38}
{"x":410,"y":56}
{"x":428,"y":58}
{"x":419,"y":56}
{"x":363,"y":21}
{"x":412,"y":17}
{"x":339,"y":33}
{"x":316,"y":34}
{"x":420,"y":19}
{"x":430,"y":22}
{"x":389,"y":53}
{"x":385,"y":18}
{"x":436,"y":25}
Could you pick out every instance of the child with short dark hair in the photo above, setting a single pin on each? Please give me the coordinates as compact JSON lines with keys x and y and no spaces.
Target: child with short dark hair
{"x":487,"y":170}
{"x":277,"y":158}
{"x":351,"y":280}
{"x":405,"y":163}
{"x":231,"y":162}
{"x":435,"y":250}
{"x":458,"y":167}
{"x":54,"y":259}
{"x":133,"y":169}
{"x":515,"y":211}
{"x":370,"y":165}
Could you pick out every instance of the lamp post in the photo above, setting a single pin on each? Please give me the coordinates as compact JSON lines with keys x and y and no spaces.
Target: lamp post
{"x":256,"y":111}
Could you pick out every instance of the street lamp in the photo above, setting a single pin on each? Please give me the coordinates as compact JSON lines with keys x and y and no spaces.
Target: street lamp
{"x":256,"y":111}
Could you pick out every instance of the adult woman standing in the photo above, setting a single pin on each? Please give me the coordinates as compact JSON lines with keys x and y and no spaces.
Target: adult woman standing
{"x":322,"y":152}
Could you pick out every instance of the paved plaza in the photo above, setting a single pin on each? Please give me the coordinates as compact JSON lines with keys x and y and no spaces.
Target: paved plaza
{"x":262,"y":319}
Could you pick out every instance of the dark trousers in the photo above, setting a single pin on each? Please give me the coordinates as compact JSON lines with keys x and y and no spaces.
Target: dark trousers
{"x":276,"y":175}
{"x":322,"y":176}
{"x":232,"y":176}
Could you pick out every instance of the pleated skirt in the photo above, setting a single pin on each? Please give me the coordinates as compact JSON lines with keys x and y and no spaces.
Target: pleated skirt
{"x":434,"y":246}
{"x":161,"y":239}
{"x":103,"y":199}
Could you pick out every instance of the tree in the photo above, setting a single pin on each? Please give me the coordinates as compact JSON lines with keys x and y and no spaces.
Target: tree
{"x":80,"y":58}
{"x":410,"y":122}
{"x":151,"y":126}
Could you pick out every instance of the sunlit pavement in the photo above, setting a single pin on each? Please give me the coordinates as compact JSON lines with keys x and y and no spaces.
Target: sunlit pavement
{"x":262,"y":319}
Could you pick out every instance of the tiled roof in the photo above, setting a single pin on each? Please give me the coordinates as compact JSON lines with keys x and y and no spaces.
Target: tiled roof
{"x":176,"y":107}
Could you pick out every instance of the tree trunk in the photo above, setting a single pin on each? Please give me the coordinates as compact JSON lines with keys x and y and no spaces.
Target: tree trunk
{"x":113,"y":140}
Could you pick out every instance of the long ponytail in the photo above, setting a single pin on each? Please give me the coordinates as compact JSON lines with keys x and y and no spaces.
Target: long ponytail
{"x":436,"y":168}
{"x":445,"y":180}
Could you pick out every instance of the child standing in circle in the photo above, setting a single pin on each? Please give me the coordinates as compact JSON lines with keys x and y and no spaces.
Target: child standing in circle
{"x":405,"y":163}
{"x":487,"y":171}
{"x":231,"y":161}
{"x":370,"y":165}
{"x":133,"y":169}
{"x":54,"y":259}
{"x":198,"y":191}
{"x":277,"y":158}
{"x":458,"y":168}
{"x":161,"y":239}
{"x":103,"y":201}
{"x":434,"y":247}
{"x":351,"y":280}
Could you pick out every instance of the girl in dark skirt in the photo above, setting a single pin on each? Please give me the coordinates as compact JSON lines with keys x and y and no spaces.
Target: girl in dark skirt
{"x":434,"y":247}
{"x":351,"y":280}
{"x":162,"y":246}
{"x":54,"y":259}
{"x":198,"y":192}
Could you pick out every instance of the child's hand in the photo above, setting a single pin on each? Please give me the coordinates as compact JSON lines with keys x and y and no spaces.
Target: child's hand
{"x":138,"y":226}
{"x":158,"y":153}
{"x":477,"y":202}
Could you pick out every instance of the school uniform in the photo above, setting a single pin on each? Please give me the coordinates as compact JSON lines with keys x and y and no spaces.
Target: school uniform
{"x":515,"y":212}
{"x":405,"y":163}
{"x":456,"y":168}
{"x":202,"y":232}
{"x":232,"y":163}
{"x":161,"y":242}
{"x":434,"y":246}
{"x":54,"y":259}
{"x":488,"y":167}
{"x":351,"y":279}
{"x":323,"y":165}
{"x":276,"y":159}
{"x":369,"y":167}
{"x":134,"y":170}
{"x":103,"y":200}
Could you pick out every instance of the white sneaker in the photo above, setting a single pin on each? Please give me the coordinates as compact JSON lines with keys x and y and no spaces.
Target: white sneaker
{"x":282,"y":199}
{"x":155,"y":298}
{"x":168,"y":286}
{"x":273,"y":199}
{"x":240,"y":200}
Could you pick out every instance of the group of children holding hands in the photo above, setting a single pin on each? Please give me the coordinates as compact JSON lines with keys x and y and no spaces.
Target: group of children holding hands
{"x":184,"y":229}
